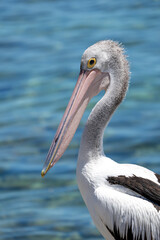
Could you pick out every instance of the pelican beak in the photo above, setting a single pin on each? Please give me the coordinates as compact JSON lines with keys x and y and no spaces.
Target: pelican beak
{"x":87,"y":86}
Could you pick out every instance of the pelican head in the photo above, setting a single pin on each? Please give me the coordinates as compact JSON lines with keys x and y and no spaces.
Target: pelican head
{"x":103,"y":67}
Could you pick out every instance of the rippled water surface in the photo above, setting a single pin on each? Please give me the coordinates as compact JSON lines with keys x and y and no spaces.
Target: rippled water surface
{"x":41,"y":43}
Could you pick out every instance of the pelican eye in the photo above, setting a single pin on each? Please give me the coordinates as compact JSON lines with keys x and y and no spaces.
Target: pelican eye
{"x":91,"y":62}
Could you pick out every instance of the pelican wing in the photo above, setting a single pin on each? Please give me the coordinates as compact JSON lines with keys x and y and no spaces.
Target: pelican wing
{"x":145,"y":187}
{"x":129,"y":208}
{"x":133,"y":217}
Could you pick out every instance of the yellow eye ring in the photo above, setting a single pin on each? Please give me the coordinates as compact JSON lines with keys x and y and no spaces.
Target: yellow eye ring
{"x":91,"y":62}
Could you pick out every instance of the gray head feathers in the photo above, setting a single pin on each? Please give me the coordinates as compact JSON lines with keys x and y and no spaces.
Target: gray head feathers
{"x":111,"y":58}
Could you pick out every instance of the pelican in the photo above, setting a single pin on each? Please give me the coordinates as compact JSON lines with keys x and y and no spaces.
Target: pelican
{"x":123,"y":199}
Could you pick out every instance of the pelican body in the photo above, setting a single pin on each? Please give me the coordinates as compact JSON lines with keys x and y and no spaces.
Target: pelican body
{"x":123,"y":199}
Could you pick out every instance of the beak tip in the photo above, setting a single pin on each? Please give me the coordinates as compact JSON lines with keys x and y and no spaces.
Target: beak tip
{"x":43,"y":173}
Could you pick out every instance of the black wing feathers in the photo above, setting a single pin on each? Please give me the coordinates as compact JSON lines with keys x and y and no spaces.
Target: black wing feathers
{"x":129,"y":235}
{"x":145,"y":187}
{"x":158,"y":177}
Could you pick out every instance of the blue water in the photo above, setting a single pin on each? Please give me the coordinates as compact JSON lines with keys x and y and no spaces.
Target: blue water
{"x":41,"y":43}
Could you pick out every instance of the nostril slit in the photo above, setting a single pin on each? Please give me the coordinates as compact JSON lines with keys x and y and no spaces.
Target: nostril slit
{"x":56,"y":139}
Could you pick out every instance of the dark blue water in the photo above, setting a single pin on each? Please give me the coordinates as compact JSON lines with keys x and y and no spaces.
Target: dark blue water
{"x":41,"y":43}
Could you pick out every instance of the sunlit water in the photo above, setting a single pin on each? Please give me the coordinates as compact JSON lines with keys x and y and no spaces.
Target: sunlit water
{"x":41,"y":43}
